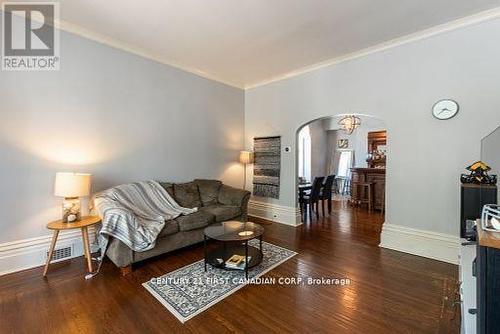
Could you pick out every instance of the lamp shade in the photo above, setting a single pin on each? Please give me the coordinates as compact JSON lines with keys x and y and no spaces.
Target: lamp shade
{"x":246,"y":157}
{"x":72,"y":185}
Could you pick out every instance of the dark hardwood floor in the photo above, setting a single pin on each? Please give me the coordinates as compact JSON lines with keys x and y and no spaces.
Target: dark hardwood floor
{"x":390,"y":292}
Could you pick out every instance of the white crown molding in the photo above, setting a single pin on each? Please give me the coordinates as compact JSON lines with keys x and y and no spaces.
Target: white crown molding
{"x":414,"y":37}
{"x":433,"y":245}
{"x":276,"y":213}
{"x":417,"y":36}
{"x":117,"y":44}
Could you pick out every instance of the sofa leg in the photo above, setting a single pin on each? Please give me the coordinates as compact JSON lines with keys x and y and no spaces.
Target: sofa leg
{"x":126,"y":270}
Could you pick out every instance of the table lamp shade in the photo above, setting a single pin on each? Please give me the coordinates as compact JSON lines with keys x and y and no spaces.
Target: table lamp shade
{"x":246,"y":157}
{"x":72,"y":185}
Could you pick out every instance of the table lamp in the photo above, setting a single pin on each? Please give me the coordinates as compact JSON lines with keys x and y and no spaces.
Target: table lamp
{"x":72,"y":186}
{"x":246,"y":157}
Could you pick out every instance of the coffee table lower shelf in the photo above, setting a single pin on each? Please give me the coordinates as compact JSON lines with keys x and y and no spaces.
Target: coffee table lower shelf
{"x":226,"y":250}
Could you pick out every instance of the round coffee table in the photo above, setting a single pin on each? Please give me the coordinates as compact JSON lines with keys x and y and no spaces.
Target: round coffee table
{"x":234,"y":237}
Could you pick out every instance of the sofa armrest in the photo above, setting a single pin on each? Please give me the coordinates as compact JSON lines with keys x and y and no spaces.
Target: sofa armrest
{"x":234,"y":196}
{"x":119,"y":253}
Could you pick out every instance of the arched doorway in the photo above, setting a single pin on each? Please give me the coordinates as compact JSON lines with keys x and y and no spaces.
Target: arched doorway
{"x":357,"y":160}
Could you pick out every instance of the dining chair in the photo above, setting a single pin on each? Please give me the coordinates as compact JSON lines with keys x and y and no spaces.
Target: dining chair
{"x":326,"y":194}
{"x":313,"y":197}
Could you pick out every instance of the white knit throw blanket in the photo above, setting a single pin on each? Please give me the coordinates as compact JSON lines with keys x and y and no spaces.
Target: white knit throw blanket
{"x":135,"y":214}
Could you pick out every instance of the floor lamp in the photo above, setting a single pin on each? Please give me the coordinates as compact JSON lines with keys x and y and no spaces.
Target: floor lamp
{"x":246,"y":157}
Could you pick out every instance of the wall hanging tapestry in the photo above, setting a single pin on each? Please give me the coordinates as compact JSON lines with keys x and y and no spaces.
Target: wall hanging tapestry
{"x":266,"y":170}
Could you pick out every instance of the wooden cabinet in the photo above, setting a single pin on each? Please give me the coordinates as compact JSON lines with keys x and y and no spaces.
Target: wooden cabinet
{"x":373,"y":175}
{"x":376,"y":139}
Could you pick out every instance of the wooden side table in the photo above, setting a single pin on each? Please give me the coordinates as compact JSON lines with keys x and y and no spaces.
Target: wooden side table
{"x":82,"y":224}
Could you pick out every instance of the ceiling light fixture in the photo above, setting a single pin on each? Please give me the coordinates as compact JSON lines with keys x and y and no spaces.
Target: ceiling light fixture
{"x":349,"y":123}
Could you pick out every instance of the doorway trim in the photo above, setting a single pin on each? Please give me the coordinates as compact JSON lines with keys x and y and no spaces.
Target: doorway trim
{"x":297,"y":149}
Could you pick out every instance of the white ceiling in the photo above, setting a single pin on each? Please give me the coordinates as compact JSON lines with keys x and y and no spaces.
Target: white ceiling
{"x":246,"y":42}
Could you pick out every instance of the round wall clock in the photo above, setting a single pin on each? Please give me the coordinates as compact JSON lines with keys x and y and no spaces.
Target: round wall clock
{"x":445,"y":109}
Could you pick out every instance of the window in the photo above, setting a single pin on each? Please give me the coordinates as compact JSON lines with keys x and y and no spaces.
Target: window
{"x":305,"y":153}
{"x":345,"y":163}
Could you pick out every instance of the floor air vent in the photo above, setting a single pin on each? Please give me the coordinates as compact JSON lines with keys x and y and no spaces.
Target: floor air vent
{"x":61,"y":253}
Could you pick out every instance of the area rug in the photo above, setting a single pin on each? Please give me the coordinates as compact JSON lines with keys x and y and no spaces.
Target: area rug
{"x":190,"y":290}
{"x":266,"y":168}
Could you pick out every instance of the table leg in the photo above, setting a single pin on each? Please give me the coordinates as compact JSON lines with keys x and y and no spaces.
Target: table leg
{"x":51,"y":250}
{"x":86,"y":248}
{"x":246,"y":259}
{"x":205,"y":250}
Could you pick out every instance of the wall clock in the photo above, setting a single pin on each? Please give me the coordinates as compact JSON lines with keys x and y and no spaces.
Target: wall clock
{"x":445,"y":109}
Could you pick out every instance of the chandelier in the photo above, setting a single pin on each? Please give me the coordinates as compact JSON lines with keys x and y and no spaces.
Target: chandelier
{"x":349,"y":123}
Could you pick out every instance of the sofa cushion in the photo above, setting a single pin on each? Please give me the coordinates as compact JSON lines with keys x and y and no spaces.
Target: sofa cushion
{"x":171,"y":227}
{"x":187,"y":194}
{"x":232,"y":196}
{"x":195,"y":220}
{"x":169,"y":187}
{"x":222,"y":212}
{"x":209,"y":191}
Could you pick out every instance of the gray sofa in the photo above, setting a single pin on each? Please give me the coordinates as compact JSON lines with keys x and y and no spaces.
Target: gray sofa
{"x":216,"y":203}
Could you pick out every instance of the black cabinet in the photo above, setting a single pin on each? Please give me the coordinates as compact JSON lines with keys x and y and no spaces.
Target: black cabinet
{"x":487,"y":270}
{"x":472,"y":199}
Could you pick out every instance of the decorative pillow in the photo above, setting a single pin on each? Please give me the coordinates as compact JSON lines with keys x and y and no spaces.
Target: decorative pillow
{"x":169,"y":187}
{"x":187,"y":194}
{"x":209,"y":191}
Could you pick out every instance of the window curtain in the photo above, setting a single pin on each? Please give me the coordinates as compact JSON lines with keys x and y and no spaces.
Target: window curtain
{"x":333,"y":166}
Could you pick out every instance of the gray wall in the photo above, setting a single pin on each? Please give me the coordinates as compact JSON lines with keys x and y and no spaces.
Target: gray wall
{"x":358,"y":140}
{"x":333,"y":151}
{"x":399,"y":86}
{"x":332,"y":138}
{"x":324,"y":137}
{"x":319,"y":149}
{"x":113,"y":114}
{"x":490,"y":153}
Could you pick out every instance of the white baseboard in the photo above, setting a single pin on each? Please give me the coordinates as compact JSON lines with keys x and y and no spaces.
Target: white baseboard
{"x":276,"y":213}
{"x":29,"y":253}
{"x":437,"y":246}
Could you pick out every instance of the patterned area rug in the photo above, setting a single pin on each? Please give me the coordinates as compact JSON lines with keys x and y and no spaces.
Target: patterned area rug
{"x":190,"y":290}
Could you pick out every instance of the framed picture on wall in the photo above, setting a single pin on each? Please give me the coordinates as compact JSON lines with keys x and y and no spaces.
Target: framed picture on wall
{"x":343,"y":143}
